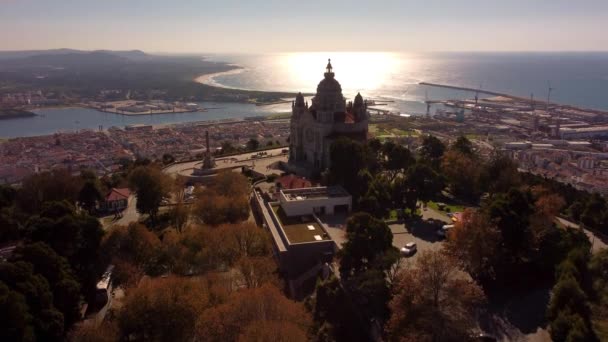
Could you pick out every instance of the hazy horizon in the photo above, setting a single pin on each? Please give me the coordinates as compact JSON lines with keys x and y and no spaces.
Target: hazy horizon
{"x":190,"y":26}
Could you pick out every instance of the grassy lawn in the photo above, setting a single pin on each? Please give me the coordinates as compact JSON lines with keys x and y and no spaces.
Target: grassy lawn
{"x":279,"y":116}
{"x":296,"y":228}
{"x":449,"y":207}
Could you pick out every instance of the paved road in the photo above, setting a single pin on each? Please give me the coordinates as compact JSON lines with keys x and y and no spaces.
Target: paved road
{"x":129,"y":215}
{"x":597,"y":243}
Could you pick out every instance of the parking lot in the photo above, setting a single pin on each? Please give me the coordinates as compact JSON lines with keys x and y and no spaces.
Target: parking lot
{"x":422,"y":232}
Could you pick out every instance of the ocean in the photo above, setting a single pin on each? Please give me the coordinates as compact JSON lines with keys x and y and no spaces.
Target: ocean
{"x":575,"y":78}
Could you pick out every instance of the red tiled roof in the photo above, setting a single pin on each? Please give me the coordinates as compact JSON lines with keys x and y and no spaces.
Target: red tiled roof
{"x":293,"y":182}
{"x":118,"y":194}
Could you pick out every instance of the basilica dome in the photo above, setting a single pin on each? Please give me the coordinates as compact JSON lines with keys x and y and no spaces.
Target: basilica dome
{"x":329,"y":92}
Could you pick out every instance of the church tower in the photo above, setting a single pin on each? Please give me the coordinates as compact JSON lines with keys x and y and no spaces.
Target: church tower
{"x":313,"y":128}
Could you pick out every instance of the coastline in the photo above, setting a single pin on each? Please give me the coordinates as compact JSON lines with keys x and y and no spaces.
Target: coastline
{"x":209,"y":79}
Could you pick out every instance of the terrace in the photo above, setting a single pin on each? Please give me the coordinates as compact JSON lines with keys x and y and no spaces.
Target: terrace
{"x":300,"y":229}
{"x":313,"y":193}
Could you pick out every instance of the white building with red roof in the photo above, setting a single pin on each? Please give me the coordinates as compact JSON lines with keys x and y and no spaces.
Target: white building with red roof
{"x":116,"y":199}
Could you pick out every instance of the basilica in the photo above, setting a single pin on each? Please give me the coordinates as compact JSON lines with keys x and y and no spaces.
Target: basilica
{"x":315,"y":127}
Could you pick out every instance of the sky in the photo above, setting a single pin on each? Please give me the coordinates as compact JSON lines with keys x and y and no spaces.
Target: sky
{"x":253,"y":26}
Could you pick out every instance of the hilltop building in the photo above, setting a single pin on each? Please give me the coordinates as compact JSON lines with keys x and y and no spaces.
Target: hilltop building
{"x":301,"y":243}
{"x":315,"y":127}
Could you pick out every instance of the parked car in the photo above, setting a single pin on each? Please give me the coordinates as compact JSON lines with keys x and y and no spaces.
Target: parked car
{"x":409,"y":249}
{"x":443,"y":231}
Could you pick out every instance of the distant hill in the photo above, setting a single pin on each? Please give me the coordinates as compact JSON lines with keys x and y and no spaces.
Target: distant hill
{"x":130,"y":54}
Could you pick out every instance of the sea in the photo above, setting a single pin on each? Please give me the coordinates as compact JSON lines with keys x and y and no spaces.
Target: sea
{"x":576,"y":78}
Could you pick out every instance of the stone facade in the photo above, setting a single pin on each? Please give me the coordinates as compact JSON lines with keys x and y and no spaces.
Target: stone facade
{"x":314,"y":127}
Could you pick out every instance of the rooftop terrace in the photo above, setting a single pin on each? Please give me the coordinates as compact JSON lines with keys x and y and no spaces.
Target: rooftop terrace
{"x":314,"y":193}
{"x":300,"y":229}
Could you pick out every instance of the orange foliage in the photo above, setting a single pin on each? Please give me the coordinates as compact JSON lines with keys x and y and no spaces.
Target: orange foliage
{"x":433,"y":301}
{"x":249,"y":312}
{"x":164,"y":309}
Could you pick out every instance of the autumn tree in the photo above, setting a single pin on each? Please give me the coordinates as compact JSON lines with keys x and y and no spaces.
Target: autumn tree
{"x":132,"y":247}
{"x":55,"y":186}
{"x":89,"y":332}
{"x":163,"y":309}
{"x":257,"y":271}
{"x":247,"y":313}
{"x":475,"y":243}
{"x":433,"y":301}
{"x":234,"y":241}
{"x":225,"y":201}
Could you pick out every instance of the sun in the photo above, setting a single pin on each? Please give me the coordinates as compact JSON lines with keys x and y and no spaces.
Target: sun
{"x":357,"y":72}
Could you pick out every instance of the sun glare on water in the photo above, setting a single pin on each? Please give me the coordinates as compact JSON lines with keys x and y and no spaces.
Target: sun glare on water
{"x":356,"y":71}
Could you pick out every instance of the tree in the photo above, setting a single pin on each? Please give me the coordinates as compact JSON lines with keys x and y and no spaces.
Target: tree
{"x":475,"y":243}
{"x":499,"y":175}
{"x":463,"y":174}
{"x":334,"y":314}
{"x":55,"y":186}
{"x":163,"y":309}
{"x":225,"y":201}
{"x":228,"y":148}
{"x":90,"y":332}
{"x":253,"y":144}
{"x":348,"y":160}
{"x":8,"y":195}
{"x":396,"y":159}
{"x":576,"y":210}
{"x":463,"y":145}
{"x":56,"y":270}
{"x":595,"y":213}
{"x":257,"y":271}
{"x":47,"y":323}
{"x":179,"y":216}
{"x":134,"y":245}
{"x":422,"y":183}
{"x":150,"y":186}
{"x":168,"y":159}
{"x":432,"y":150}
{"x":377,"y":200}
{"x":433,"y":302}
{"x":89,"y":195}
{"x":247,"y":313}
{"x":15,"y":315}
{"x":75,"y":236}
{"x":234,"y":241}
{"x":369,"y":240}
{"x":511,"y":214}
{"x":599,"y":271}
